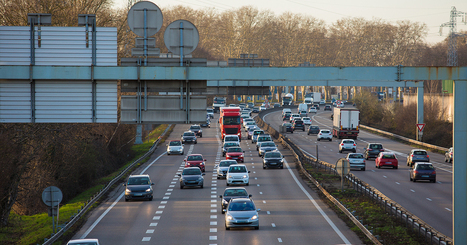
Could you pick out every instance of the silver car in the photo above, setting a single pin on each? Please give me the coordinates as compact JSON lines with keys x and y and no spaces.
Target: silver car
{"x":83,"y":242}
{"x":324,"y":134}
{"x":175,"y":147}
{"x":265,"y":147}
{"x":241,"y":212}
{"x":347,"y":145}
{"x":356,"y":160}
{"x":223,"y":167}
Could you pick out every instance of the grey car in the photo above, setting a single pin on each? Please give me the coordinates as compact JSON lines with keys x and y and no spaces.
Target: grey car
{"x":241,"y":212}
{"x":138,"y":187}
{"x":372,"y":150}
{"x":265,"y":147}
{"x":227,"y":145}
{"x":223,"y":167}
{"x":191,"y":176}
{"x":417,"y":155}
{"x":356,"y":160}
{"x":189,"y":136}
{"x":232,"y":193}
{"x":256,"y":133}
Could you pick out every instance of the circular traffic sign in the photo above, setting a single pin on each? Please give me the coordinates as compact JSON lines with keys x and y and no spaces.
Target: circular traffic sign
{"x":136,"y":18}
{"x":343,"y":166}
{"x":181,"y":34}
{"x":52,"y":196}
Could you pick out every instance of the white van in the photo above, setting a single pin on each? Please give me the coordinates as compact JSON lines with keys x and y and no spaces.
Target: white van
{"x":302,"y":107}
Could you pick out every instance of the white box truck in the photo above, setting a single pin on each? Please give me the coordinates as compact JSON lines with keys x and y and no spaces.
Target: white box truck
{"x":345,"y":123}
{"x":316,"y":97}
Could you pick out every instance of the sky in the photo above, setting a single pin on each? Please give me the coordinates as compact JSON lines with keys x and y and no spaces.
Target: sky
{"x":432,"y":13}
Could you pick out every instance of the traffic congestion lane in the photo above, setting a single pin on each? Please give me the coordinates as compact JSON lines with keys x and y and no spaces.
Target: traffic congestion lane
{"x":430,"y":199}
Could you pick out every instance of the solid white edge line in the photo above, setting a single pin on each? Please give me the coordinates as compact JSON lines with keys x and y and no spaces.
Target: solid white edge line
{"x":114,"y":203}
{"x":334,"y":227}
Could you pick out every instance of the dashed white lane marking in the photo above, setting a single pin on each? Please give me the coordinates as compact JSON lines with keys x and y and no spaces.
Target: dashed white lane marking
{"x":412,"y":190}
{"x":429,"y":199}
{"x":261,"y":193}
{"x":171,"y":185}
{"x":146,"y":239}
{"x":212,"y":238}
{"x":212,"y":229}
{"x":153,"y":224}
{"x":213,"y":205}
{"x":213,"y":196}
{"x":170,"y":189}
{"x":159,"y":212}
{"x":168,"y":194}
{"x":279,"y":239}
{"x":213,"y":200}
{"x":268,"y":212}
{"x":273,"y":225}
{"x":213,"y":216}
{"x":165,"y":198}
{"x":161,"y":207}
{"x":156,"y":218}
{"x":384,"y":176}
{"x":264,"y":201}
{"x":213,"y":223}
{"x":448,"y":209}
{"x":398,"y":183}
{"x":257,"y":184}
{"x":149,"y":231}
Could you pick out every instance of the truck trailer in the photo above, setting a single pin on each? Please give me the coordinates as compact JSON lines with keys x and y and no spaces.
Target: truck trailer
{"x":345,"y":123}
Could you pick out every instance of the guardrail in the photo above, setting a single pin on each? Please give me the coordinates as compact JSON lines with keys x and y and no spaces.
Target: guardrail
{"x":430,"y":235}
{"x":98,"y":195}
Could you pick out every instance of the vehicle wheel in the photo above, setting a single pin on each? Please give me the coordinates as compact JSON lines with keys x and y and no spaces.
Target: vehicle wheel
{"x":227,"y":228}
{"x":257,"y":228}
{"x":248,"y":183}
{"x":354,"y":151}
{"x":363,"y":169}
{"x":150,"y":199}
{"x":201,"y":186}
{"x":396,"y":167}
{"x":196,"y":142}
{"x":168,"y":154}
{"x":126,"y":200}
{"x":282,"y":166}
{"x":340,"y":151}
{"x":318,"y":139}
{"x":291,"y":132}
{"x":181,"y":186}
{"x":222,"y":211}
{"x":330,"y":139}
{"x":434,"y":181}
{"x":227,"y":184}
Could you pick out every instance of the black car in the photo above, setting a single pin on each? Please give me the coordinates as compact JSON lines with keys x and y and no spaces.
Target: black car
{"x":423,"y":171}
{"x":286,"y":116}
{"x":197,"y":130}
{"x":288,"y":127}
{"x":191,"y":176}
{"x":317,"y":106}
{"x":298,"y":124}
{"x":327,"y":108}
{"x":372,"y":150}
{"x":277,"y":105}
{"x":255,"y":109}
{"x":188,"y":137}
{"x":313,"y":130}
{"x":232,"y":193}
{"x":273,"y":159}
{"x":138,"y":187}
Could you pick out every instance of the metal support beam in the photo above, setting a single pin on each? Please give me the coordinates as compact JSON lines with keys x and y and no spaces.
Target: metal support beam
{"x":459,"y":183}
{"x":419,"y":111}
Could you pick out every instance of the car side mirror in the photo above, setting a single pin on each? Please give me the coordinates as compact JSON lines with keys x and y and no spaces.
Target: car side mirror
{"x":224,"y":210}
{"x":203,"y":174}
{"x":179,"y":175}
{"x":257,"y":210}
{"x":204,"y":159}
{"x":184,"y":160}
{"x":243,"y":151}
{"x":152,"y":183}
{"x":248,"y":171}
{"x":124,"y":184}
{"x":250,"y":196}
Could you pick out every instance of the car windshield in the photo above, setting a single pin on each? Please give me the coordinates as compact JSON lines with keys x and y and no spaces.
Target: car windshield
{"x":226,"y":163}
{"x":306,"y":118}
{"x":227,"y":138}
{"x":357,"y":156}
{"x":189,"y":134}
{"x":258,"y":132}
{"x":229,"y":144}
{"x":192,"y":171}
{"x":267,"y":144}
{"x":263,"y":138}
{"x":272,"y":155}
{"x":376,"y":146}
{"x":251,"y":123}
{"x":389,"y":156}
{"x":234,"y":149}
{"x":287,"y":124}
{"x":138,"y":181}
{"x":425,"y":167}
{"x":209,"y":110}
{"x":420,"y":153}
{"x":195,"y":127}
{"x":314,"y":127}
{"x":195,"y":158}
{"x":241,"y":206}
{"x":175,"y":143}
{"x":247,"y":119}
{"x":325,"y":131}
{"x":235,"y":192}
{"x":348,"y":142}
{"x":237,"y":169}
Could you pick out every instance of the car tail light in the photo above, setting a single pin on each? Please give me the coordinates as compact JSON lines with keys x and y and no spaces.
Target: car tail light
{"x":354,"y":144}
{"x":368,"y":149}
{"x":434,"y":172}
{"x":342,"y":144}
{"x":381,"y":150}
{"x":427,"y":156}
{"x":411,"y":155}
{"x":415,"y":172}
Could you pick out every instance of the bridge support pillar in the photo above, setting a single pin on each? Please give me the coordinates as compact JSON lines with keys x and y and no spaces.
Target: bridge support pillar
{"x":459,"y":185}
{"x":419,"y":110}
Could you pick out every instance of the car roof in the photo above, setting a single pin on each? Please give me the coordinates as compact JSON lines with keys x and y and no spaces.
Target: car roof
{"x":195,"y":155}
{"x":139,"y":175}
{"x":241,"y":200}
{"x":175,"y":140}
{"x":83,"y":240}
{"x":427,"y":163}
{"x":418,"y":150}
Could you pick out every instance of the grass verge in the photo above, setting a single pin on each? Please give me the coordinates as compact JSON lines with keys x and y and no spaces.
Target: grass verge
{"x":32,"y":229}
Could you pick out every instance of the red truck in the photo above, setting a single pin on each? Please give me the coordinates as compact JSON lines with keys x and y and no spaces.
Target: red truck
{"x":230,"y":121}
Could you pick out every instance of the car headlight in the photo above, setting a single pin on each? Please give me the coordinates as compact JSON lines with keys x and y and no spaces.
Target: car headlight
{"x":245,"y":176}
{"x":229,"y":176}
{"x":127,"y":190}
{"x":255,"y":217}
{"x":229,"y":217}
{"x":200,"y":178}
{"x":224,"y":201}
{"x":148,"y":190}
{"x":202,"y":163}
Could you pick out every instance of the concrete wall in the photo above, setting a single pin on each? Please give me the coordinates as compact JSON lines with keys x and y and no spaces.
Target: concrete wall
{"x":445,"y":101}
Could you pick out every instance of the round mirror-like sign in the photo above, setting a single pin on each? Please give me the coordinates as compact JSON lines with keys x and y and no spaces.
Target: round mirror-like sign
{"x":181,"y":34}
{"x":342,"y":166}
{"x":136,"y":18}
{"x":52,"y":196}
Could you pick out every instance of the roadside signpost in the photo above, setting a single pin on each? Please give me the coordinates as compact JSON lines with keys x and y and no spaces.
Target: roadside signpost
{"x":420,"y":127}
{"x":342,"y":168}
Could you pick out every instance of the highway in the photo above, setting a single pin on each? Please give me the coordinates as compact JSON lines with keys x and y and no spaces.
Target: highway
{"x":431,"y":202}
{"x":291,"y":212}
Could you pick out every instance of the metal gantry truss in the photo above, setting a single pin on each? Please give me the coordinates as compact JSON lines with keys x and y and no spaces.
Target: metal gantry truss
{"x":452,"y":24}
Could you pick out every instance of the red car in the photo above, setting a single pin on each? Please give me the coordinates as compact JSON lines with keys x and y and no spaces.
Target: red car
{"x":386,"y":159}
{"x":235,"y":153}
{"x":195,"y":160}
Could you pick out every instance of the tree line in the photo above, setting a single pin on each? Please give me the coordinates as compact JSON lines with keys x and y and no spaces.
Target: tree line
{"x":72,"y":156}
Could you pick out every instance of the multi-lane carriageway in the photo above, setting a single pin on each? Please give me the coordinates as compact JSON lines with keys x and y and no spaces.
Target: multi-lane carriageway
{"x":290,"y":212}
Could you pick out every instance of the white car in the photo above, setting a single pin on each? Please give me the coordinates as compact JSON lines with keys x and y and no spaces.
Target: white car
{"x":312,"y":110}
{"x":306,"y":120}
{"x":175,"y":147}
{"x":262,"y":108}
{"x":231,"y":137}
{"x":324,"y":134}
{"x":245,"y":120}
{"x":293,"y":116}
{"x":356,"y":160}
{"x":322,"y":102}
{"x":348,"y":145}
{"x":248,"y":124}
{"x":238,"y":174}
{"x":210,"y":113}
{"x":83,"y":242}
